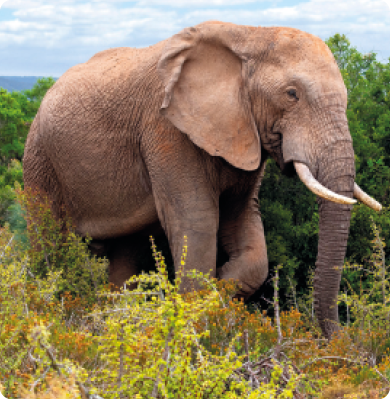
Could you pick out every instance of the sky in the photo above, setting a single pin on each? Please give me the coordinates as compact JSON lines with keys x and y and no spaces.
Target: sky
{"x":47,"y":37}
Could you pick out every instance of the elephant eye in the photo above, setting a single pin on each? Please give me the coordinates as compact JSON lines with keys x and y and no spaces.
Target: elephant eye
{"x":293,"y":93}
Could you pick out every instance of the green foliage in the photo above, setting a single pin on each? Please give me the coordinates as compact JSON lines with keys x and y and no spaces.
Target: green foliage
{"x":17,"y":110}
{"x":35,"y":96}
{"x":353,"y":65}
{"x":35,"y":309}
{"x":290,"y":216}
{"x":20,"y":322}
{"x":11,"y":175}
{"x":56,"y":247}
{"x":16,"y":220}
{"x":13,"y":128}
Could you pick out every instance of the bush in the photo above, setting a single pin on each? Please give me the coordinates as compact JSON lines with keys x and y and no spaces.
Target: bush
{"x":56,"y":247}
{"x":12,"y":174}
{"x":157,"y":342}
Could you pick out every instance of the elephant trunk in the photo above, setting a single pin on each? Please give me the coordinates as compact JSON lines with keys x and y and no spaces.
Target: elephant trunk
{"x":336,"y":172}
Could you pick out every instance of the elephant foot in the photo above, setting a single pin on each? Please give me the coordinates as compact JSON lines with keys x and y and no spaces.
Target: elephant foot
{"x":248,"y":277}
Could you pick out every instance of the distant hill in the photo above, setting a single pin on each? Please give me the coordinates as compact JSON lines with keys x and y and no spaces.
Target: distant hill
{"x":18,"y":83}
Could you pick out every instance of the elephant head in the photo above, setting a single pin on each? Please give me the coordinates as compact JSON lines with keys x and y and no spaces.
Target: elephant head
{"x":239,"y":92}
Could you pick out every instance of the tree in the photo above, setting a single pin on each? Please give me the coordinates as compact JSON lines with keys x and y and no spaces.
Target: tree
{"x":13,"y":129}
{"x":35,"y":96}
{"x":17,"y":111}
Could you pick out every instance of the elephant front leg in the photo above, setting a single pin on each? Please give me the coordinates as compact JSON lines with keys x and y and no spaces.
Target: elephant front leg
{"x":186,"y":204}
{"x":242,"y":238}
{"x":190,"y":218}
{"x":201,"y":252}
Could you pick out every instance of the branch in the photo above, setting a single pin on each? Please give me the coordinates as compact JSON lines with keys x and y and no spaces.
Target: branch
{"x":384,"y":378}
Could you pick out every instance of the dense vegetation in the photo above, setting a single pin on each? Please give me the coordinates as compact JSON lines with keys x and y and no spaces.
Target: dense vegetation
{"x":156,"y":343}
{"x":45,"y":294}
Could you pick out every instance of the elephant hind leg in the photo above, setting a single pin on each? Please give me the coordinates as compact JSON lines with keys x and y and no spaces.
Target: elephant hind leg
{"x":124,"y":254}
{"x":40,"y":179}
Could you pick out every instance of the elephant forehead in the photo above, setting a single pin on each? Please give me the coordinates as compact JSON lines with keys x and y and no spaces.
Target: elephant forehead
{"x":307,"y":45}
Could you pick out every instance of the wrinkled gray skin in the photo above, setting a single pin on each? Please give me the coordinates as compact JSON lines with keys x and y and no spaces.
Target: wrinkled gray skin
{"x":174,"y":138}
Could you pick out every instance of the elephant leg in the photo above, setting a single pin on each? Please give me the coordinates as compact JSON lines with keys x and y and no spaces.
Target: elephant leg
{"x":242,"y":238}
{"x":197,"y":229}
{"x":186,"y":206}
{"x":122,"y":254}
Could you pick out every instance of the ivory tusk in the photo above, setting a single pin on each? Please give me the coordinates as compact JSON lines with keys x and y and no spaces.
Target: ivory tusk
{"x":313,"y":185}
{"x":366,"y":199}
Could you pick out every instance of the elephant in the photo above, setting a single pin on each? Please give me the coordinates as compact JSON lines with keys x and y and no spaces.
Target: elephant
{"x":173,"y":139}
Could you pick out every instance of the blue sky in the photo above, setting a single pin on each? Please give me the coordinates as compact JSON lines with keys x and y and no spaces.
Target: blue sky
{"x":46,"y":37}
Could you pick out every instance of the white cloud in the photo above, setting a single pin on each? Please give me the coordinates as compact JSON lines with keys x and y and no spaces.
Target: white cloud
{"x":22,"y":4}
{"x":195,"y":3}
{"x":61,"y":33}
{"x":100,"y":24}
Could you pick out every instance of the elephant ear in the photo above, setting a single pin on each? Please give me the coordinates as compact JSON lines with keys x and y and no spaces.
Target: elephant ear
{"x":206,"y":96}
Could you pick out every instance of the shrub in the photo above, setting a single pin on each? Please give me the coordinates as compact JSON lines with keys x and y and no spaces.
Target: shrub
{"x":157,"y":342}
{"x":152,"y":348}
{"x":56,"y":247}
{"x":33,"y":292}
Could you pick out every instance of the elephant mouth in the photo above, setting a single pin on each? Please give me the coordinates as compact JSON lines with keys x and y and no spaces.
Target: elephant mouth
{"x":273,"y":144}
